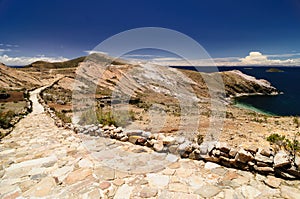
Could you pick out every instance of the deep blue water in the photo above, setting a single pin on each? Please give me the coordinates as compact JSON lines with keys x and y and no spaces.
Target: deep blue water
{"x":287,"y":104}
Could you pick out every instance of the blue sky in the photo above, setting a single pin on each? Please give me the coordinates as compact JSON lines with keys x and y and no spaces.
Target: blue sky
{"x":229,"y":30}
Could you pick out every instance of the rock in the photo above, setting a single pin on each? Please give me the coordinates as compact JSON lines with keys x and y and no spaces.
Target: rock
{"x":171,"y":158}
{"x":133,"y":138}
{"x":85,"y":163}
{"x":61,"y":173}
{"x":105,"y":173}
{"x":118,"y":130}
{"x":185,"y":148}
{"x":266,"y":152}
{"x":293,"y":171}
{"x":281,"y":159}
{"x":231,"y":194}
{"x":290,"y":192}
{"x":252,"y":149}
{"x":158,"y":146}
{"x":148,"y":192}
{"x":284,"y":174}
{"x":158,"y":180}
{"x":124,"y":139}
{"x":272,"y":181}
{"x":173,"y":149}
{"x":77,"y":175}
{"x":178,"y":187}
{"x":262,"y":164}
{"x":104,"y":185}
{"x":33,"y":163}
{"x":168,"y":140}
{"x":208,"y":191}
{"x":222,"y":146}
{"x":261,"y":158}
{"x":210,"y":158}
{"x":141,"y":141}
{"x":216,"y":152}
{"x":42,"y":189}
{"x":134,"y":133}
{"x":243,"y":156}
{"x":211,"y":165}
{"x":297,"y":161}
{"x":12,"y":194}
{"x":147,"y":134}
{"x":232,"y":153}
{"x":195,"y":155}
{"x":250,"y":192}
{"x":172,"y":195}
{"x":118,"y":182}
{"x":123,"y":192}
{"x":264,"y":169}
{"x":180,"y":140}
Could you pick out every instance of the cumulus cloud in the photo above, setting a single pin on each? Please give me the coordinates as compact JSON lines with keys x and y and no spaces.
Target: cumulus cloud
{"x":253,"y":59}
{"x":257,"y":58}
{"x":21,"y":61}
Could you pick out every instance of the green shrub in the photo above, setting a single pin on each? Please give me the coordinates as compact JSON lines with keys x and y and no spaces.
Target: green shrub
{"x":281,"y":142}
{"x":63,"y":117}
{"x":5,"y":119}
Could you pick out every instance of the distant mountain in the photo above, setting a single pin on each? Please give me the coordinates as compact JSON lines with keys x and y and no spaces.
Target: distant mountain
{"x":73,"y":63}
{"x":55,"y":65}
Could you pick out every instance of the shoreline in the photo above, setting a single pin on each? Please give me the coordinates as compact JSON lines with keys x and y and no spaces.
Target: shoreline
{"x":234,"y":102}
{"x":252,"y":108}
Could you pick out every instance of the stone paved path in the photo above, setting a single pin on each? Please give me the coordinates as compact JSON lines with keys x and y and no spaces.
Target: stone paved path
{"x":39,"y":159}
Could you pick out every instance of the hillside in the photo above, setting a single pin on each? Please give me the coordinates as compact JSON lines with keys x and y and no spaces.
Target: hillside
{"x":147,"y":87}
{"x":55,"y":65}
{"x":11,"y":78}
{"x":73,"y":63}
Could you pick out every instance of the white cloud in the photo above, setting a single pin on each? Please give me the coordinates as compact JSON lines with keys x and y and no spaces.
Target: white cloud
{"x":4,"y":50}
{"x":257,"y":58}
{"x":253,"y":59}
{"x":21,"y":61}
{"x":94,"y":51}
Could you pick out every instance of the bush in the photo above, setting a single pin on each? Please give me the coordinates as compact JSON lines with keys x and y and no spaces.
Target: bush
{"x":5,"y":119}
{"x":63,"y":117}
{"x":281,"y":142}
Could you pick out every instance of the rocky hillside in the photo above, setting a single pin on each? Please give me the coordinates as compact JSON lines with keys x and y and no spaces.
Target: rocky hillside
{"x":11,"y":78}
{"x":54,"y":65}
{"x":141,"y":88}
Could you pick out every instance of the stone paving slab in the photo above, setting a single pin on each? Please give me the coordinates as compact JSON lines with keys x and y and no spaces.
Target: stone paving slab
{"x":38,"y":159}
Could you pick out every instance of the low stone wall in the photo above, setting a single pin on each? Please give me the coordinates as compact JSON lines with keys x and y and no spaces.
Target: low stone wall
{"x":260,"y":160}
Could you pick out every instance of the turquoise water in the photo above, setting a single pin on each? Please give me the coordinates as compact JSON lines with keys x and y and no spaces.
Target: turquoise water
{"x":288,"y":82}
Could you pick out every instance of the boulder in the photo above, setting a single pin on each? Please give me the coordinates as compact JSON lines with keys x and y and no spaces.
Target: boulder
{"x":158,"y":146}
{"x":281,"y":159}
{"x":294,"y":172}
{"x":133,"y":138}
{"x":251,"y":149}
{"x":232,"y":153}
{"x":243,"y":156}
{"x":266,"y":152}
{"x":168,"y":140}
{"x":261,"y":158}
{"x":222,"y":146}
{"x":195,"y":155}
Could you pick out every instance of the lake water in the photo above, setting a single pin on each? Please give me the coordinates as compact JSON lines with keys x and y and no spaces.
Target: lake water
{"x":288,"y":82}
